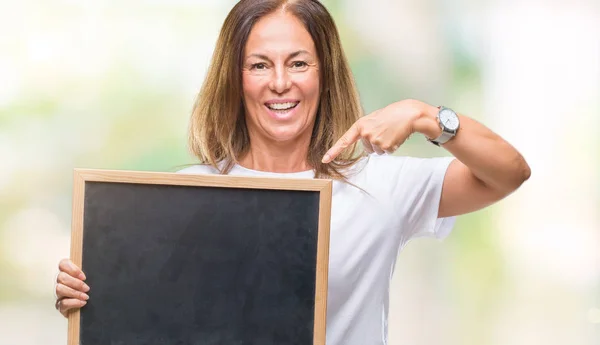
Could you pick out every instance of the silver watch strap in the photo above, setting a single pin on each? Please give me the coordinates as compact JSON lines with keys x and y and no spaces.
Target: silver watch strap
{"x":443,"y":138}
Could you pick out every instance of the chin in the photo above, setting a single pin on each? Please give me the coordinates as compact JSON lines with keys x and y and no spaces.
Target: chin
{"x":285,"y":133}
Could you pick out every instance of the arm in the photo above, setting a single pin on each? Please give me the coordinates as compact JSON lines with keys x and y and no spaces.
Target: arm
{"x":487,"y":168}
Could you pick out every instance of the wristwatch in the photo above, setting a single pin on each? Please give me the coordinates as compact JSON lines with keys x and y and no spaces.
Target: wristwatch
{"x":449,"y":123}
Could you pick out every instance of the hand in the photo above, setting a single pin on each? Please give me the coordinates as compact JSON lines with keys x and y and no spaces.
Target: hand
{"x":384,"y":130}
{"x":70,"y":288}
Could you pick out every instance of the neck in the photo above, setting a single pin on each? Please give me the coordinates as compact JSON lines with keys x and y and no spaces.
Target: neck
{"x":277,"y":157}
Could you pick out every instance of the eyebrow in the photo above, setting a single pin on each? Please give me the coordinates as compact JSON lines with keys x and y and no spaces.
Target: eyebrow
{"x":291,"y":56}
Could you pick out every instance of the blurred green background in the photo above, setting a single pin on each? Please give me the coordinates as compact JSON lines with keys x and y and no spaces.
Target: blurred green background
{"x":107,"y":84}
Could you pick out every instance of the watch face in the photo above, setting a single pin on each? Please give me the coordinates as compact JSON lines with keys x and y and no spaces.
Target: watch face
{"x":449,"y":119}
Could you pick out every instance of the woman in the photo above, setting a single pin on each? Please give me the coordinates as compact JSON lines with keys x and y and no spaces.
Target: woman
{"x":279,"y":100}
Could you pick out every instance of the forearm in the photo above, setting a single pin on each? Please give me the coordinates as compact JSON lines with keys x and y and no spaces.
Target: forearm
{"x":491,"y":159}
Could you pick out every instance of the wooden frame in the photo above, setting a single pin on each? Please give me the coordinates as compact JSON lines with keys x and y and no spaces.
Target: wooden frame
{"x":324,"y":187}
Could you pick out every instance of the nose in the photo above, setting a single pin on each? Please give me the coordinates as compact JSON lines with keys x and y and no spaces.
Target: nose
{"x":280,"y":80}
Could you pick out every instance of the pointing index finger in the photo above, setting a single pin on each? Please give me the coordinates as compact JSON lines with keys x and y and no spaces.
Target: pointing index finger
{"x":350,"y":137}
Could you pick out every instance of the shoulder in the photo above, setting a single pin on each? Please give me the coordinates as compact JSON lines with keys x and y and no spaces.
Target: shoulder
{"x":199,"y":169}
{"x":399,"y":177}
{"x":385,"y":167}
{"x":412,"y":186}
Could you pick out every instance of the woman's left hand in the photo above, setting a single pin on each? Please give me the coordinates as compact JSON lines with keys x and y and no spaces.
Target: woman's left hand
{"x":384,"y":130}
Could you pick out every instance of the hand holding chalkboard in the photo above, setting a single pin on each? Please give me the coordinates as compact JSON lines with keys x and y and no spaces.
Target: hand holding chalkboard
{"x":70,"y":287}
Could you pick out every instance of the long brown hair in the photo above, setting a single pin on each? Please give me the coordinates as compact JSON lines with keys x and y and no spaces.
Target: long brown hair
{"x":218,"y":132}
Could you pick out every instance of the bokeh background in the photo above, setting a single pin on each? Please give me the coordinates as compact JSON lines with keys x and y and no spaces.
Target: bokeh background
{"x":110,"y":84}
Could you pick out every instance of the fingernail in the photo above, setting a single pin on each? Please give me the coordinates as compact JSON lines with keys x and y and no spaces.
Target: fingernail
{"x":83,"y":303}
{"x":82,"y":276}
{"x":86,"y":288}
{"x":85,"y":296}
{"x":326,"y":158}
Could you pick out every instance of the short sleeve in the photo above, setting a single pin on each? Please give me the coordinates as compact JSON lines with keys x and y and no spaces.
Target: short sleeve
{"x":421,"y":181}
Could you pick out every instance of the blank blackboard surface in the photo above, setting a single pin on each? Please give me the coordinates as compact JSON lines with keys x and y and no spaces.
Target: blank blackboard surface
{"x":200,"y":259}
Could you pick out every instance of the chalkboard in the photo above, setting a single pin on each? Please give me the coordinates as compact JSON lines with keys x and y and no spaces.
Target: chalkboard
{"x":200,"y":259}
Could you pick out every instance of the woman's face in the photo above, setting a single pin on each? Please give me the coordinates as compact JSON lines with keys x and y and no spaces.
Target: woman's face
{"x":280,"y":80}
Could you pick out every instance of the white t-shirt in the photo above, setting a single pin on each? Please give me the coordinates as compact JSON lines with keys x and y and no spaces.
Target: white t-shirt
{"x":367,"y":232}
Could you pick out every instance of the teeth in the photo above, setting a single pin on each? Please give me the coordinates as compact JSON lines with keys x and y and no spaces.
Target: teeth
{"x":282,"y":106}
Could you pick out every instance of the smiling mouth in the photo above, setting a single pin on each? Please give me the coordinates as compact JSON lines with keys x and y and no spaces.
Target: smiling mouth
{"x":282,"y":107}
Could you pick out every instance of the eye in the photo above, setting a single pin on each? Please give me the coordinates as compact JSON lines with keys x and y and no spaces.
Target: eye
{"x":258,"y":66}
{"x":299,"y":64}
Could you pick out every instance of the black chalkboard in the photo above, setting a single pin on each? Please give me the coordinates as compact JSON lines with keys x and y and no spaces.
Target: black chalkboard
{"x":200,"y":259}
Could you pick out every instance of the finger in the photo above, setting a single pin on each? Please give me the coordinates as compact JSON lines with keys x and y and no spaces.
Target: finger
{"x":70,"y":268}
{"x":391,"y":149}
{"x":367,"y":145}
{"x":349,"y":138}
{"x":377,"y":149}
{"x":63,"y":291}
{"x":74,"y":283}
{"x":68,"y":304}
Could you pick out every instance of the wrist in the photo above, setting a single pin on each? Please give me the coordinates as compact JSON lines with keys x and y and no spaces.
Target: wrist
{"x":427,"y":122}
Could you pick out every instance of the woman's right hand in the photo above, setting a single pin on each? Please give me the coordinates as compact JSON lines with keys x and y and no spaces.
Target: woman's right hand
{"x":70,"y":287}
